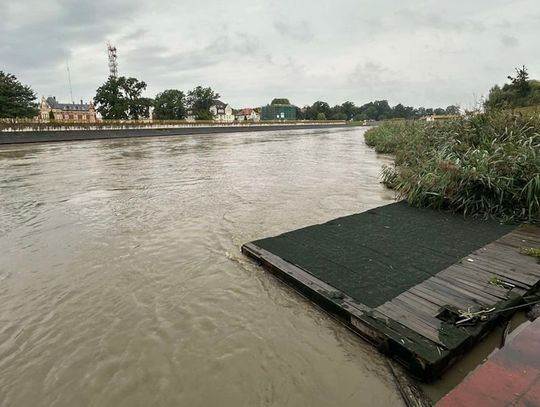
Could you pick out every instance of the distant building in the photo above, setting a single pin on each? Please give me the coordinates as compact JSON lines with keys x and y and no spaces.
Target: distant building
{"x":222,"y":112}
{"x":278,"y":112}
{"x":247,"y":114}
{"x":190,"y":115}
{"x":50,"y":108}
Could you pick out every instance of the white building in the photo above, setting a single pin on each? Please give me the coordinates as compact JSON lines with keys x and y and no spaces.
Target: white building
{"x":248,"y":114}
{"x":222,"y":112}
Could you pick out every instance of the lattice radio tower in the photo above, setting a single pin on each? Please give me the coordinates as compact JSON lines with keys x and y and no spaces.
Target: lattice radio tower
{"x":113,"y":60}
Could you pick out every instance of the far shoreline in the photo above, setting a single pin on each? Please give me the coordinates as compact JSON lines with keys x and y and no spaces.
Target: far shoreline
{"x":46,"y":136}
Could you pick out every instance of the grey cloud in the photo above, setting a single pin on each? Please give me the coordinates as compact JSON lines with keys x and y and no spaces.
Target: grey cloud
{"x":29,"y":45}
{"x":431,"y":19}
{"x":300,"y":31}
{"x":509,"y":41}
{"x":160,"y":59}
{"x":414,"y":52}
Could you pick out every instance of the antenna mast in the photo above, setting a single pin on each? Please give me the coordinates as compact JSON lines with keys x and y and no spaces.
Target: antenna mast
{"x":113,"y":62}
{"x":69,"y":80}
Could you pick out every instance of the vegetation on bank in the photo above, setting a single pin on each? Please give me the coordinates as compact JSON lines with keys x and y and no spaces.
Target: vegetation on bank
{"x":16,"y":99}
{"x":521,"y":93}
{"x":485,"y":165}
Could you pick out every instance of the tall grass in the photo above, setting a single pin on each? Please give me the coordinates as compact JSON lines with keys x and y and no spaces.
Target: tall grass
{"x":486,"y":165}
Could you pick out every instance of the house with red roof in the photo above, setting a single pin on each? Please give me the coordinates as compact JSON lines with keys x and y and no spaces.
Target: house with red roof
{"x":247,"y":114}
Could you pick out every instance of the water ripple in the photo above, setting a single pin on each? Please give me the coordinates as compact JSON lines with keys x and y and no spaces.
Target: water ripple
{"x":122,"y":283}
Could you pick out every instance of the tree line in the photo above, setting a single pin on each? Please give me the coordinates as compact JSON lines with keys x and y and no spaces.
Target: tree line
{"x":122,"y":99}
{"x":377,"y":110}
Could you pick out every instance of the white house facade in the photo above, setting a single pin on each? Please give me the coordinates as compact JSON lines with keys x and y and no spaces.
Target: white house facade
{"x":222,"y":112}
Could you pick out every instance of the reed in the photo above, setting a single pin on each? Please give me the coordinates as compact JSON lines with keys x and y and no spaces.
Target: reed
{"x":486,"y":165}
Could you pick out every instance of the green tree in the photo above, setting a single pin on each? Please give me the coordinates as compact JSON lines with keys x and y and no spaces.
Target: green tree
{"x":200,"y":100}
{"x":120,"y":99}
{"x":349,"y":109}
{"x":170,"y":105}
{"x":280,"y":101}
{"x":339,"y":116}
{"x":439,"y":111}
{"x":521,"y":81}
{"x":399,"y":111}
{"x":521,"y":91}
{"x":360,"y":117}
{"x":312,"y":112}
{"x":16,"y":99}
{"x":321,"y":116}
{"x":452,"y":109}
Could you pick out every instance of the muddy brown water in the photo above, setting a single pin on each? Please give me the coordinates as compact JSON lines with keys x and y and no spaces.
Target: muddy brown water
{"x":122,"y":284}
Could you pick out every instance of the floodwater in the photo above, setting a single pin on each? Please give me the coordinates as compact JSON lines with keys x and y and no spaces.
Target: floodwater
{"x":122,"y":283}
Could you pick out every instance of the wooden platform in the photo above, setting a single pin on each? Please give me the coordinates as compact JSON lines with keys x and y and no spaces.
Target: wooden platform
{"x":415,"y":323}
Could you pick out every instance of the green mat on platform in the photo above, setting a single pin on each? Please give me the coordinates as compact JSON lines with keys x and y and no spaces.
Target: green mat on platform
{"x":376,"y":255}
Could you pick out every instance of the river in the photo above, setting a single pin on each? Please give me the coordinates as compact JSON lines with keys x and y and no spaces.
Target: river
{"x":122,"y":283}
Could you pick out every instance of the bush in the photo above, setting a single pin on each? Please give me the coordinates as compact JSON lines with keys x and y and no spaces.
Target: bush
{"x":485,"y":165}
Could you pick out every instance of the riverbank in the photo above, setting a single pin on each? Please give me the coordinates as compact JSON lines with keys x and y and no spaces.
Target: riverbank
{"x":98,"y":133}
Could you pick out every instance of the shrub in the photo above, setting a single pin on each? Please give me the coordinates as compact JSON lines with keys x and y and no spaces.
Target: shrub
{"x":486,"y":165}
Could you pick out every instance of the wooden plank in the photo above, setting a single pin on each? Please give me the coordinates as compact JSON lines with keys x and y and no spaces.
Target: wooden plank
{"x":513,"y":240}
{"x":498,"y":268}
{"x":521,"y":280}
{"x":483,"y":276}
{"x":411,"y":321}
{"x":464,"y":281}
{"x":442,"y":299}
{"x":511,"y":256}
{"x":429,"y":319}
{"x":492,"y":263}
{"x":529,"y":232}
{"x":453,"y":294}
{"x":467,"y":277}
{"x":458,"y":287}
{"x":416,"y":311}
{"x":427,"y":306}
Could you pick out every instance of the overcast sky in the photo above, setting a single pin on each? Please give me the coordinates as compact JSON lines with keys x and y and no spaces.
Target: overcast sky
{"x":416,"y":52}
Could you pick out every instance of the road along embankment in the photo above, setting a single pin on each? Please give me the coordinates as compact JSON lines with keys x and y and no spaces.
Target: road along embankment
{"x":16,"y":137}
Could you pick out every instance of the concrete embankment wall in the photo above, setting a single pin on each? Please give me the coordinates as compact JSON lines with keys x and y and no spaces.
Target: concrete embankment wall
{"x":74,"y":135}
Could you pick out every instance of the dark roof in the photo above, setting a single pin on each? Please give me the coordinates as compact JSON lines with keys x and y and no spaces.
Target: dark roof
{"x":219,"y":103}
{"x":54,"y":104}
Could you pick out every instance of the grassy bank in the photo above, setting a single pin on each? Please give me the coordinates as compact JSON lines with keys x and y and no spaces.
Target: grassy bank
{"x":487,"y":165}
